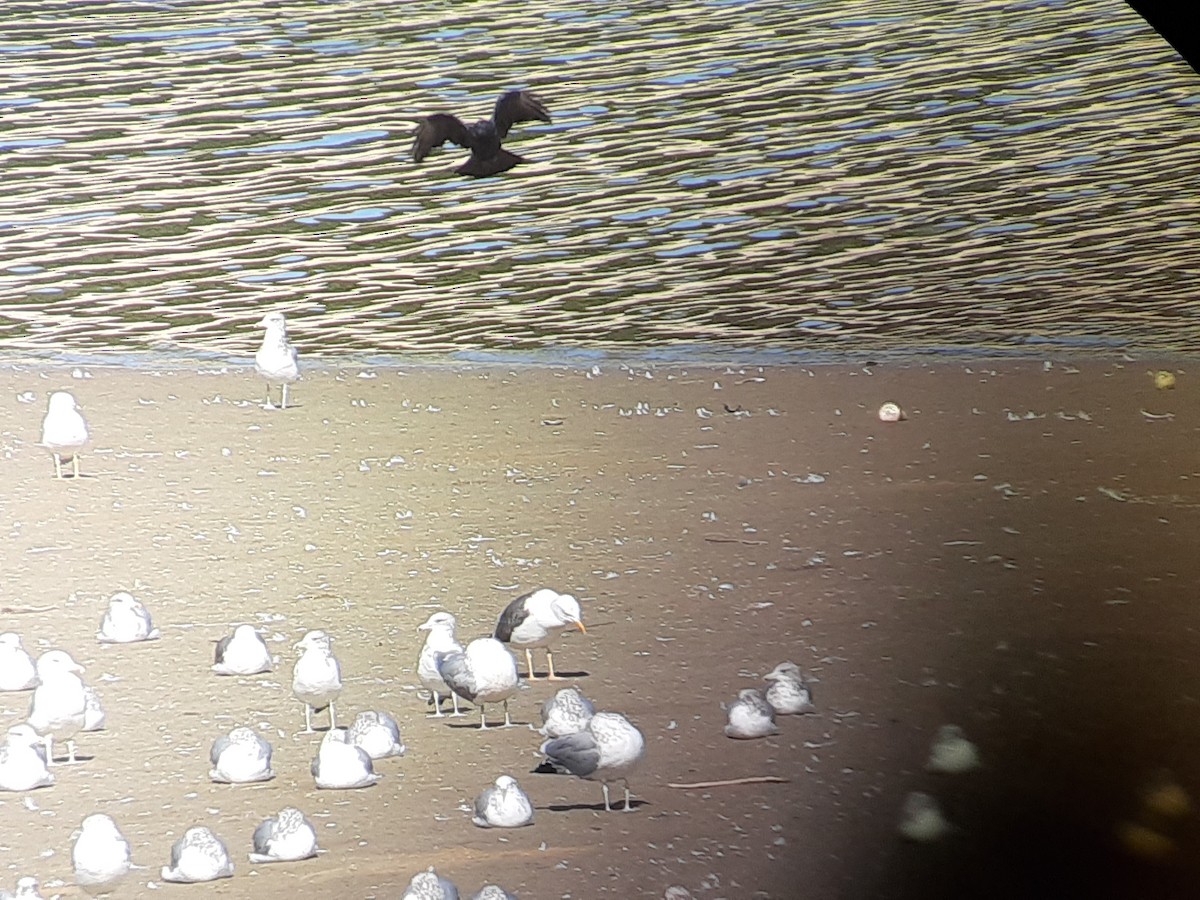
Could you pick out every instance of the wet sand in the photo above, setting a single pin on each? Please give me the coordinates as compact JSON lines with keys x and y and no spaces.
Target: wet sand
{"x":1017,"y":558}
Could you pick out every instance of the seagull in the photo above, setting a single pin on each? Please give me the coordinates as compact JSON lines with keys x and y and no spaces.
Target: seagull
{"x":198,"y":856}
{"x":27,"y":889}
{"x":788,"y":694}
{"x":17,"y":671}
{"x":317,"y":677}
{"x":441,"y":639}
{"x":377,"y":733}
{"x":608,"y":749}
{"x":64,"y":431}
{"x":483,"y":673}
{"x":240,"y":757}
{"x":921,"y":819}
{"x":483,"y":137}
{"x":750,"y":716}
{"x":535,"y":619}
{"x":565,"y":713}
{"x":276,"y":360}
{"x":101,"y":855}
{"x":492,"y":892}
{"x":951,"y":753}
{"x":342,"y":766}
{"x":242,"y":653}
{"x":503,"y":805}
{"x":429,"y":885}
{"x":59,"y":703}
{"x":125,"y":621}
{"x":93,"y":713}
{"x":23,"y":761}
{"x":287,"y":837}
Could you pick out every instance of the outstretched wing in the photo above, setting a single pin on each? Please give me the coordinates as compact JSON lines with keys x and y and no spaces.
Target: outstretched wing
{"x":435,"y":130}
{"x":518,"y":106}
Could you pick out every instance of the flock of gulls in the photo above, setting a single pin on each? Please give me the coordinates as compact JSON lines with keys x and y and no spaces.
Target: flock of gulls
{"x":578,"y":740}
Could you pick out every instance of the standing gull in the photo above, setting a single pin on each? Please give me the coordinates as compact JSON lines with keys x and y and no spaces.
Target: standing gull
{"x":565,"y":713}
{"x":483,"y":137}
{"x":750,"y":716}
{"x":125,"y":621}
{"x":441,"y":639}
{"x":198,"y":856}
{"x":607,"y":750}
{"x":94,"y":718}
{"x":100,"y":855}
{"x":64,"y":431}
{"x":377,"y":733}
{"x":59,"y":704}
{"x":286,"y":837}
{"x":504,"y":805}
{"x":316,"y":677}
{"x":23,"y":761}
{"x":242,"y":653}
{"x":428,"y":885}
{"x":276,"y":360}
{"x":483,"y":673}
{"x":17,"y":671}
{"x":342,"y":766}
{"x":535,"y":619}
{"x":240,"y":757}
{"x":787,"y":693}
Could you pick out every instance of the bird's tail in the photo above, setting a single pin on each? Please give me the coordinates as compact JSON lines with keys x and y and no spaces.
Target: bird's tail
{"x":480,"y":168}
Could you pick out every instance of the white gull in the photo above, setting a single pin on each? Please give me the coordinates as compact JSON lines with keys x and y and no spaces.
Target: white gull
{"x":286,"y":837}
{"x":242,"y":653}
{"x":17,"y":670}
{"x":23,"y":761}
{"x":377,"y":733}
{"x":276,"y":360}
{"x":535,"y":619}
{"x":64,"y":431}
{"x":485,"y":672}
{"x":440,"y":639}
{"x":503,"y":805}
{"x":342,"y":766}
{"x":609,"y":749}
{"x":750,"y":716}
{"x":100,"y":855}
{"x":428,"y":885}
{"x":567,"y":712}
{"x":240,"y":757}
{"x":198,"y":856}
{"x":316,"y":677}
{"x":59,"y":704}
{"x":126,"y":621}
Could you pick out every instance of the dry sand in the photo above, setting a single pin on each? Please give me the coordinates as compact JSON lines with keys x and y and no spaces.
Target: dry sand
{"x":1017,"y":557}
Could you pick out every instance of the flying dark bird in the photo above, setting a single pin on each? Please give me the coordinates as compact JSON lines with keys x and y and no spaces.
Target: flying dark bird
{"x":483,"y":137}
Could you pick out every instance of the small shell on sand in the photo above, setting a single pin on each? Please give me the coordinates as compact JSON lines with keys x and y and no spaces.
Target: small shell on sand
{"x":890,"y":412}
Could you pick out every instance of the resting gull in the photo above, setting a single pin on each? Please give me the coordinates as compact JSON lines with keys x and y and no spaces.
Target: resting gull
{"x":428,"y":885}
{"x":17,"y":670}
{"x":342,"y":766}
{"x":101,"y":855}
{"x":535,"y":619}
{"x":198,"y":856}
{"x":492,"y":892}
{"x":503,"y":805}
{"x":125,"y":621}
{"x":483,"y":673}
{"x":94,"y":718}
{"x":567,"y":712}
{"x":440,"y":639}
{"x":317,"y":677}
{"x":242,"y":653}
{"x":59,"y":704}
{"x":377,"y":733}
{"x":27,"y":889}
{"x":286,"y":837}
{"x":23,"y":761}
{"x":607,"y":750}
{"x":750,"y":716}
{"x":64,"y":431}
{"x":787,"y":693}
{"x":240,"y":757}
{"x":483,"y":137}
{"x":951,"y":753}
{"x":276,"y":360}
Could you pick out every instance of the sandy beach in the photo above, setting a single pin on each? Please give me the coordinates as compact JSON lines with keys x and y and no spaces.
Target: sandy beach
{"x":1016,"y":558}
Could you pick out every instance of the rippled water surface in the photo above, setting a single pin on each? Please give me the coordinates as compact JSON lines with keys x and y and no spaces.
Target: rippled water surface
{"x":833,"y":174}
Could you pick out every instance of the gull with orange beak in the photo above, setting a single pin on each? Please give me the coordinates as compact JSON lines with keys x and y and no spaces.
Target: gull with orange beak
{"x":535,"y":619}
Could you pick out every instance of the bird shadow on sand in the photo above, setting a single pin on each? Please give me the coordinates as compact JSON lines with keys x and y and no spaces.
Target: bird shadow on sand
{"x":618,"y":806}
{"x":474,"y":725}
{"x":560,"y":676}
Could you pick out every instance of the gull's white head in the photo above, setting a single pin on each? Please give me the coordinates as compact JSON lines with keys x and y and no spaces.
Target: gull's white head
{"x":274,"y":321}
{"x":54,"y":662}
{"x":438,"y":621}
{"x":62,"y":401}
{"x":315,"y":640}
{"x":566,"y":607}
